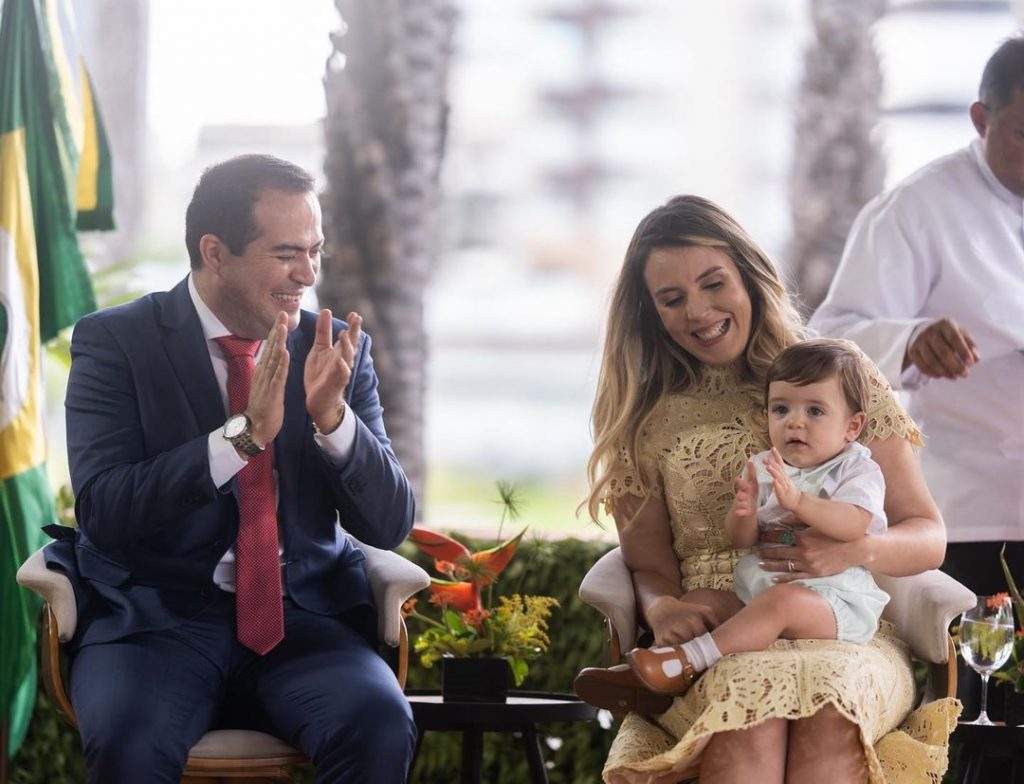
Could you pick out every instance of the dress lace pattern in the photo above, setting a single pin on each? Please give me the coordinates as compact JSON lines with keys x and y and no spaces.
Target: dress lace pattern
{"x":693,"y":445}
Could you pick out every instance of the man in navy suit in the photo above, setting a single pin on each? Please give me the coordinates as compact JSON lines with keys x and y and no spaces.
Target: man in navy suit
{"x":212,"y":484}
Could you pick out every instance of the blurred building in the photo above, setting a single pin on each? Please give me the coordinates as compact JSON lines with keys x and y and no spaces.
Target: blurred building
{"x":570,"y":119}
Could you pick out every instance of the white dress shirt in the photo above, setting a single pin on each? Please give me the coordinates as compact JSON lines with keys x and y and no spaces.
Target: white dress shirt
{"x":947,"y":242}
{"x":225,"y":461}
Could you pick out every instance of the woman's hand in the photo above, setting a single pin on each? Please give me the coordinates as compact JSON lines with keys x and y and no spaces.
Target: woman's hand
{"x":813,"y":555}
{"x":675,"y":620}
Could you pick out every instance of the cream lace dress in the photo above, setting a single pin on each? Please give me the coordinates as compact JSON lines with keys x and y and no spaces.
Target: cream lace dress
{"x":694,"y":445}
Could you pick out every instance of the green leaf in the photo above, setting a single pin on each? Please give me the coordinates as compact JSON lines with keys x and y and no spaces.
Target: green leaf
{"x":1018,"y":602}
{"x":453,"y":621}
{"x":519,"y":669}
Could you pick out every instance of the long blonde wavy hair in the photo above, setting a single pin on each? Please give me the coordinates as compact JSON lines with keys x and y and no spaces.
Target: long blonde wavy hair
{"x":641,"y":363}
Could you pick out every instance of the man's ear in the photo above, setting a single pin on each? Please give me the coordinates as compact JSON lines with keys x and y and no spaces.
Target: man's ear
{"x":213,"y":252}
{"x":979,"y":116}
{"x":856,"y":424}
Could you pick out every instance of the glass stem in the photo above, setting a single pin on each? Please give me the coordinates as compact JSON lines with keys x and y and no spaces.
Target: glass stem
{"x":984,"y":697}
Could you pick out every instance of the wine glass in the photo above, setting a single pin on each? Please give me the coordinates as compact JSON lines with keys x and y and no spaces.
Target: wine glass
{"x":986,"y":639}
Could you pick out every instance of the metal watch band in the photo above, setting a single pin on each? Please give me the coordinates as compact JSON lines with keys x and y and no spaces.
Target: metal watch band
{"x":243,"y":441}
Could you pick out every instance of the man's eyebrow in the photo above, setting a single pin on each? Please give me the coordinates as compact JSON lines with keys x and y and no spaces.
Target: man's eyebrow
{"x":296,"y":248}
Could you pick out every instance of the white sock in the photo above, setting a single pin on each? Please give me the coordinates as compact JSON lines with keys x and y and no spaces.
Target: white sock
{"x":702,"y":652}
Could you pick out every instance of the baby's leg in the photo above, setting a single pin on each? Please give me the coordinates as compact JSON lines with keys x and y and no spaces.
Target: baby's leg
{"x":783,"y":611}
{"x":786,"y":611}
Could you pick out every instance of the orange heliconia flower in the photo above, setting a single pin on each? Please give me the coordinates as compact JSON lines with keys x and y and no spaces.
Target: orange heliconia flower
{"x":452,"y":558}
{"x":461,"y":596}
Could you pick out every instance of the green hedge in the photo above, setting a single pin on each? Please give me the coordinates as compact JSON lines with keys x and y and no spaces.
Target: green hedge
{"x":51,"y":753}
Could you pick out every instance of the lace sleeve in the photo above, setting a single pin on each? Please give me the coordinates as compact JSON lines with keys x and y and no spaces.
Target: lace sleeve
{"x":641,"y":478}
{"x":886,"y":417}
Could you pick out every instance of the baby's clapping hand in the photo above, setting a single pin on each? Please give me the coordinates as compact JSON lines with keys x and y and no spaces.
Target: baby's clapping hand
{"x":745,"y":502}
{"x":787,"y":493}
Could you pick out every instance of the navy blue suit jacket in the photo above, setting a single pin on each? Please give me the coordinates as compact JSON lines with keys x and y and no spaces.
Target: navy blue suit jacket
{"x":141,"y":400}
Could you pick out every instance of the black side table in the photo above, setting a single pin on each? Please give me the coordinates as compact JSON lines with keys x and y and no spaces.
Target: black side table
{"x":983,"y":747}
{"x":521,"y":713}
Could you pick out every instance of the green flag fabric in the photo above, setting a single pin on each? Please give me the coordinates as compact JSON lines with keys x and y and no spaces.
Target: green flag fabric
{"x":54,"y":176}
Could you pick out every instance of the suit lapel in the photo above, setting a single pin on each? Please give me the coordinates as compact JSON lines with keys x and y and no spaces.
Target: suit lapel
{"x":188,"y":353}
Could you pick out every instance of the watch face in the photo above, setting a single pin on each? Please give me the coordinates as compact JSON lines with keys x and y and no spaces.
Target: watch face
{"x":235,"y":426}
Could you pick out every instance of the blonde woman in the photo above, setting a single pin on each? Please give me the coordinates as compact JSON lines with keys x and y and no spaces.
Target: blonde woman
{"x":697,"y":316}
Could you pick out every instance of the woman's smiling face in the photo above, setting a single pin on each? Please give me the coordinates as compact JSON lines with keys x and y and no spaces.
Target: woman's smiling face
{"x":701,"y":301}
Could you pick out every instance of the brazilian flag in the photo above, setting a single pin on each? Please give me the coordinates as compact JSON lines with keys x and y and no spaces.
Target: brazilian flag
{"x":54,"y":178}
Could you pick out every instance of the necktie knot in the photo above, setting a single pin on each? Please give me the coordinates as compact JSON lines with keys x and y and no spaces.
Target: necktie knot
{"x":235,"y":348}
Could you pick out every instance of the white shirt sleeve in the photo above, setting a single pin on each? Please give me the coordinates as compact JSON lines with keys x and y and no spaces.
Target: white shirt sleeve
{"x":338,"y":444}
{"x":225,"y":461}
{"x":862,"y":484}
{"x":880,"y":288}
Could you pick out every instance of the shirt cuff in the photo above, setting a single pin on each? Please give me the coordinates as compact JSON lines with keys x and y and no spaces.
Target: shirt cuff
{"x":224,"y":459}
{"x":337,"y":445}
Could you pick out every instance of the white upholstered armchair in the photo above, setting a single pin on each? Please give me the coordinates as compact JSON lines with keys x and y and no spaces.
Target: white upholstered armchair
{"x":227,"y":754}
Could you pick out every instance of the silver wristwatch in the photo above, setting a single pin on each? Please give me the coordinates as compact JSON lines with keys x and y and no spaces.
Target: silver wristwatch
{"x":238,"y":431}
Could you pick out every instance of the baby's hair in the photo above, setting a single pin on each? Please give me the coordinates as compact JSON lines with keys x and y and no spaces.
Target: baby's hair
{"x":810,"y":361}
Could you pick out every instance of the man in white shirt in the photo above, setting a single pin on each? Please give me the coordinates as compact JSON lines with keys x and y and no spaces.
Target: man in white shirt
{"x":931,"y":285}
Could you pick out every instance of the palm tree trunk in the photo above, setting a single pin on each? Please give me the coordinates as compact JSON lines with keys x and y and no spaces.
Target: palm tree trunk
{"x":837,"y":161}
{"x":385,"y":128}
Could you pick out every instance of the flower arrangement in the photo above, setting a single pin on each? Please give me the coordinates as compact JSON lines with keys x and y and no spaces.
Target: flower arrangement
{"x":470,"y":624}
{"x":1013,"y":671}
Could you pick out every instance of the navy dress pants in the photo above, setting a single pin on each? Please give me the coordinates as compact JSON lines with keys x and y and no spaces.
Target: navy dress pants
{"x":143,"y":701}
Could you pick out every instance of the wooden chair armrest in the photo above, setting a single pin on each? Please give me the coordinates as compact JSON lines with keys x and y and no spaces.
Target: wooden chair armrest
{"x":608,"y":587}
{"x":56,"y":590}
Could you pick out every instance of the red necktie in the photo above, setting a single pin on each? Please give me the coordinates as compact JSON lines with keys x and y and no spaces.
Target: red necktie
{"x":258,"y":610}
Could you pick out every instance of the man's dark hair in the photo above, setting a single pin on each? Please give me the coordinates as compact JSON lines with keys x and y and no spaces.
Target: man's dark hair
{"x":223,"y":199}
{"x":820,"y":359}
{"x":1003,"y":74}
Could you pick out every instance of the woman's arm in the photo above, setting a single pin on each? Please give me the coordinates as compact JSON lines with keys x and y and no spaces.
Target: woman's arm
{"x":914,"y":543}
{"x":916,"y":539}
{"x":645,"y":537}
